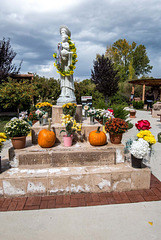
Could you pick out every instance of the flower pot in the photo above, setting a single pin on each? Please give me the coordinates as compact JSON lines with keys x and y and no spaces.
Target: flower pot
{"x":132,"y":113}
{"x":34,"y":121}
{"x":136,"y":162}
{"x":115,"y":138}
{"x":67,"y":141}
{"x":18,"y":142}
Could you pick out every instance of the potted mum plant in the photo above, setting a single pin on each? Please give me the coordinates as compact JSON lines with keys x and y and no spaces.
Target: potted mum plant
{"x":17,"y":130}
{"x":139,"y":149}
{"x":33,"y":117}
{"x":116,"y":127}
{"x":70,"y":127}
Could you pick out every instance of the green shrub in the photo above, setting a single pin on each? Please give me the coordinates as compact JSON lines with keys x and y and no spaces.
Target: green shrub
{"x":120,"y":112}
{"x":138,"y":105}
{"x":100,"y":104}
{"x":118,"y":99}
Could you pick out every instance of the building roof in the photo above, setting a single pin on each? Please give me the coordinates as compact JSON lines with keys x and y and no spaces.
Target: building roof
{"x":148,"y":82}
{"x":23,"y":76}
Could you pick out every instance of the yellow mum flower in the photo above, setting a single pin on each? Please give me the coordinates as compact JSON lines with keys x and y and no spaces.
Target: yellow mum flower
{"x":3,"y":136}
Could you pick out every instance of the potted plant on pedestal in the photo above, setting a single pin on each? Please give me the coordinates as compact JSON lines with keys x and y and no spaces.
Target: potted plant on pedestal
{"x":69,"y":109}
{"x":43,"y":111}
{"x":71,"y":126}
{"x":116,"y":127}
{"x":17,"y":130}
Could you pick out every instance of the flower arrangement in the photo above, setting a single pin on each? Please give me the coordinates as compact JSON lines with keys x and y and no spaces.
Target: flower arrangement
{"x":139,"y":148}
{"x":143,"y":125}
{"x":33,"y":116}
{"x":17,"y":128}
{"x":102,"y":115}
{"x":39,"y":113}
{"x":2,"y":139}
{"x":70,"y":125}
{"x":116,"y":125}
{"x":91,"y":112}
{"x":69,"y":109}
{"x":44,"y":106}
{"x":69,"y":72}
{"x":23,"y":115}
{"x":99,"y":115}
{"x":147,"y":136}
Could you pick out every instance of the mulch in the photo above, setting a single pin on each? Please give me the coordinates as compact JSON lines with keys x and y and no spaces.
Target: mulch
{"x":82,"y":199}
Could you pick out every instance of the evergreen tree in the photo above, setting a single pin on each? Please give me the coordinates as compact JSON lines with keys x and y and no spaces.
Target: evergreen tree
{"x":105,"y":77}
{"x":7,"y":55}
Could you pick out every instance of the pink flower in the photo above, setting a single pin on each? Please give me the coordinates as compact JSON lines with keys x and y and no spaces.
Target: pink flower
{"x":143,"y":125}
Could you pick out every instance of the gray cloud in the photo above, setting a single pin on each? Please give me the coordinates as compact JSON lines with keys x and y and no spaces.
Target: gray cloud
{"x":33,"y":27}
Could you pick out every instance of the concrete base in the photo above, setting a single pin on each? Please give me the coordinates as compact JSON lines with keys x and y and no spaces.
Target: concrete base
{"x":57,"y":112}
{"x":81,"y":168}
{"x":18,"y":182}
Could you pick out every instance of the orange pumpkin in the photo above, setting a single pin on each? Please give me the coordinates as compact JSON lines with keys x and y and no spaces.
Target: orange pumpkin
{"x":46,"y":137}
{"x":97,"y":137}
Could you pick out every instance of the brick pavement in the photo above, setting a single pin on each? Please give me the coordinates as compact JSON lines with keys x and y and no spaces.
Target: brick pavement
{"x":82,"y":199}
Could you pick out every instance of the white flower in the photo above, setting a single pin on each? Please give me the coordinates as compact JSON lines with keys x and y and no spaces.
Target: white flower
{"x":86,"y":107}
{"x":139,"y":148}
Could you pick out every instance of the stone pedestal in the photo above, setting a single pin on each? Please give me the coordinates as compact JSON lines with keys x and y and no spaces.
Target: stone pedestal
{"x":132,"y":113}
{"x":156,"y":109}
{"x":57,"y":112}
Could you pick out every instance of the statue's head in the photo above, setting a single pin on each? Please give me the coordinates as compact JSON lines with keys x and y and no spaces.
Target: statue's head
{"x":65,"y":32}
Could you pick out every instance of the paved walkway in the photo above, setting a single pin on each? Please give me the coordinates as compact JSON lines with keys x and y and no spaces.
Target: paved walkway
{"x":127,"y":215}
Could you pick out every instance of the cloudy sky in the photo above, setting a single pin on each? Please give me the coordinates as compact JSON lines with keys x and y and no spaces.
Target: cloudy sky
{"x":33,"y":28}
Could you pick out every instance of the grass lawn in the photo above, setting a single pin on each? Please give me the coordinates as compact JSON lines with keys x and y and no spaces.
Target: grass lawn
{"x":3,"y":121}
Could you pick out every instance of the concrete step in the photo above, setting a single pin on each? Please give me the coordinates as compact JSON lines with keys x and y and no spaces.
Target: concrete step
{"x":80,"y":154}
{"x":31,"y":181}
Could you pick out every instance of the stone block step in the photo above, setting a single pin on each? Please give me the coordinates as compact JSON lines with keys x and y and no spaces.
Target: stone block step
{"x":17,"y":182}
{"x":78,"y":155}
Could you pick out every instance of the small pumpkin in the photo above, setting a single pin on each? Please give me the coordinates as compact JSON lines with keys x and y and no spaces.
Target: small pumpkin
{"x":46,"y":137}
{"x":97,"y":137}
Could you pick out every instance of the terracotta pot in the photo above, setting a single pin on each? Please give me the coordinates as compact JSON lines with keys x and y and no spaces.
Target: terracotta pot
{"x":18,"y":142}
{"x":67,"y":141}
{"x":34,"y":121}
{"x":132,"y":113}
{"x":136,"y":162}
{"x":115,"y":138}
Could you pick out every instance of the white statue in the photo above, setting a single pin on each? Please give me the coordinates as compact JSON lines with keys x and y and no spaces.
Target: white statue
{"x":64,"y":60}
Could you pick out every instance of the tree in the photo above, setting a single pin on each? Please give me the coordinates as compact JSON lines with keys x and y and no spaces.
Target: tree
{"x":141,"y":61}
{"x":15,"y":94}
{"x":104,"y":76}
{"x":47,"y":89}
{"x":122,"y":54}
{"x":88,"y":88}
{"x":7,"y":55}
